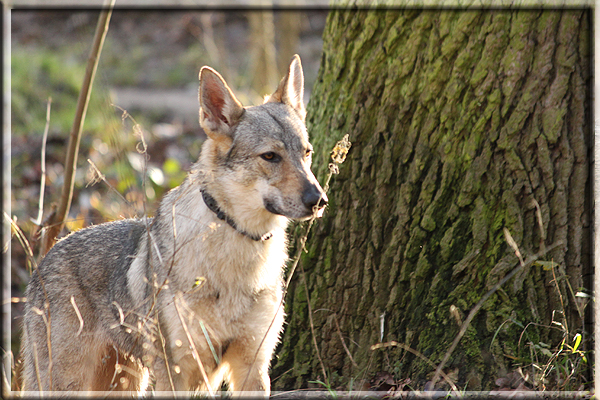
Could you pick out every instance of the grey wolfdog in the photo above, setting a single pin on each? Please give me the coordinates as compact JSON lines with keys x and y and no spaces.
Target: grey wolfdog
{"x":190,"y":298}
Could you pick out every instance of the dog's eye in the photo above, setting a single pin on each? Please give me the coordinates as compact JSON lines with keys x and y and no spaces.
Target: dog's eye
{"x":270,"y":156}
{"x":308,"y":153}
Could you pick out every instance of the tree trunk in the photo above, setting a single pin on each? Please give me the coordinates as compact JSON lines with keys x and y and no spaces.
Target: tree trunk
{"x":460,"y":121}
{"x":287,"y":24}
{"x":262,"y":50}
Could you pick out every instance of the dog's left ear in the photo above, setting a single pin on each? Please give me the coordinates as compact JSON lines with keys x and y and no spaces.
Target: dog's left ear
{"x":291,"y":88}
{"x":219,"y":108}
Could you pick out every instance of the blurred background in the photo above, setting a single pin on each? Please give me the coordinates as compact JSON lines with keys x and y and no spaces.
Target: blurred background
{"x":145,"y":95}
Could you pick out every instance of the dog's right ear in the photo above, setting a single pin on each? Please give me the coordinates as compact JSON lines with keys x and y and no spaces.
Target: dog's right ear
{"x":219,"y":109}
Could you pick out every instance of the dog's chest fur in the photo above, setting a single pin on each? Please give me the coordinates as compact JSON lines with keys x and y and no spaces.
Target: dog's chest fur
{"x":213,"y":273}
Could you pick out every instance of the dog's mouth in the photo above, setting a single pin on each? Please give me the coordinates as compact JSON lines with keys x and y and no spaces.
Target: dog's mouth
{"x":299,"y":213}
{"x":272,"y":209}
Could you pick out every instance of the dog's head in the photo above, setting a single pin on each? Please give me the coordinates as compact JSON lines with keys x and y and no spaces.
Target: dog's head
{"x":259,"y":157}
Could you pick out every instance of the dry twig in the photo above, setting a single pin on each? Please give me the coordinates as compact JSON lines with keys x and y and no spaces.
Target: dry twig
{"x":337,"y":325}
{"x":193,"y":348}
{"x":38,"y":220}
{"x":463,"y":329}
{"x":418,"y":354}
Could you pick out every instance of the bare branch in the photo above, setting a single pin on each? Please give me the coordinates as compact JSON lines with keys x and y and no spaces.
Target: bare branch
{"x":57,"y":221}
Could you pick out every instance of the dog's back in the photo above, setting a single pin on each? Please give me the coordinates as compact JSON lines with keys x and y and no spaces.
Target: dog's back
{"x":78,"y":281}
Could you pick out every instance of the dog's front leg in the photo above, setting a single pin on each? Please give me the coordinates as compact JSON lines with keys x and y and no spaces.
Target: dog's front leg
{"x":163,"y":382}
{"x":249,"y":355}
{"x":245,"y":372}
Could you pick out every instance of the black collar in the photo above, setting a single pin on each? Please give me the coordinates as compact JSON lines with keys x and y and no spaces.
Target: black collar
{"x":212,"y":205}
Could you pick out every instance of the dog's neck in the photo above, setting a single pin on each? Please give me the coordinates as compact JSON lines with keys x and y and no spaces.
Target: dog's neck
{"x":213,"y":206}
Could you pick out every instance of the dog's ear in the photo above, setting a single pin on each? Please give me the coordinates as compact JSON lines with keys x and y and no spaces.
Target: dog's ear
{"x":291,"y":88}
{"x":219,"y":109}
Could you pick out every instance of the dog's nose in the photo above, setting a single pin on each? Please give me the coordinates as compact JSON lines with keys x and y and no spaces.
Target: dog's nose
{"x":314,"y":196}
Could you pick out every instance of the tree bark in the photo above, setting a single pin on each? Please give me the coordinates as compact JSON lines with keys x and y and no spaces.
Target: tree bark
{"x":460,"y":122}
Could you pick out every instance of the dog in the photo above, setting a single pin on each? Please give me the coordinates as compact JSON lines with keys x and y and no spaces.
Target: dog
{"x":192,"y":297}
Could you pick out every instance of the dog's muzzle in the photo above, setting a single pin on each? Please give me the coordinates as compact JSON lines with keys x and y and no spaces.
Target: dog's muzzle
{"x":314,"y":198}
